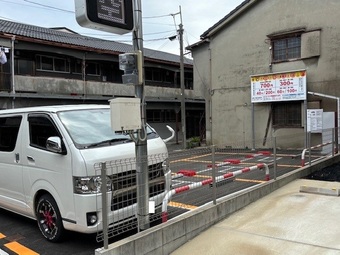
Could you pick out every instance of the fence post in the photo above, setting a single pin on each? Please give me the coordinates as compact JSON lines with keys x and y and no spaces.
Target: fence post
{"x":336,"y":138}
{"x":104,"y":205}
{"x":213,"y":174}
{"x":310,"y":147}
{"x":274,"y":145}
{"x":333,"y":141}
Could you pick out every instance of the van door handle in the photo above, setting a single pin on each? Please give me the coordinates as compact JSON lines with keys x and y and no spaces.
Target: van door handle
{"x":17,"y":158}
{"x":30,"y":159}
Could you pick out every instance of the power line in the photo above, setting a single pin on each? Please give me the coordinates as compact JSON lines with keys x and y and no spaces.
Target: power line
{"x":160,"y":16}
{"x":50,"y":7}
{"x":34,"y":4}
{"x":10,"y":2}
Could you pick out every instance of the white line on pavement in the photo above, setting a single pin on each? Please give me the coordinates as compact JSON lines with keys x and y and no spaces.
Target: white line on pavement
{"x":3,"y":253}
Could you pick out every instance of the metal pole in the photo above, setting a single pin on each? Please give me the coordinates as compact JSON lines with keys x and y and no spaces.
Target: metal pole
{"x":104,"y":205}
{"x":338,"y":126}
{"x":253,"y":125}
{"x":309,"y":135}
{"x":275,"y":163}
{"x":12,"y":70}
{"x":141,"y":144}
{"x":305,"y":121}
{"x":213,"y":174}
{"x":183,"y":116}
{"x":333,"y":141}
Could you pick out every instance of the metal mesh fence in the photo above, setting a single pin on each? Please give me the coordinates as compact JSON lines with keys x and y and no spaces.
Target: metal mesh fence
{"x":202,"y":175}
{"x":123,"y":193}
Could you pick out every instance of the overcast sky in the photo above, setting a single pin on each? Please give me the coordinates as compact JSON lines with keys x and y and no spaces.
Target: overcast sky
{"x":158,"y":23}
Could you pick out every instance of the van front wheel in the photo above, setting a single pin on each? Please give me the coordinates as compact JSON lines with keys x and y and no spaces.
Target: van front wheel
{"x":49,"y":218}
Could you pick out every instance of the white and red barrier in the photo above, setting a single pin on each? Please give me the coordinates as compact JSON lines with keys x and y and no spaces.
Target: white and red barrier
{"x":314,"y":147}
{"x":195,"y":185}
{"x":190,"y":173}
{"x":259,"y":153}
{"x":186,"y":172}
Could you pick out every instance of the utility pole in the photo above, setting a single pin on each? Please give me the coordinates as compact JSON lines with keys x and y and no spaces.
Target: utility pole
{"x":141,"y":143}
{"x":183,"y":116}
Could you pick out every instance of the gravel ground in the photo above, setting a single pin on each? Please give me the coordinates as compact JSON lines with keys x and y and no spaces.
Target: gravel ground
{"x":330,"y":173}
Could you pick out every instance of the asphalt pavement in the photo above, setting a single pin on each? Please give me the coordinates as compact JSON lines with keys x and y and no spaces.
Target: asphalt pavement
{"x":174,"y":147}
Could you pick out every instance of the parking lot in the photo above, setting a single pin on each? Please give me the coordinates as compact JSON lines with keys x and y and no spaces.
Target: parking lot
{"x":193,"y":171}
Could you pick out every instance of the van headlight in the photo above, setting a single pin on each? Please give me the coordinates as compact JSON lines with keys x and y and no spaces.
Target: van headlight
{"x":165,"y":166}
{"x":90,"y":185}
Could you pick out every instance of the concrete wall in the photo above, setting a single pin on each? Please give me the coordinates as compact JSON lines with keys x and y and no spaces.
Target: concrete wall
{"x":167,"y":237}
{"x":57,"y":86}
{"x":202,"y":84}
{"x":241,"y":49}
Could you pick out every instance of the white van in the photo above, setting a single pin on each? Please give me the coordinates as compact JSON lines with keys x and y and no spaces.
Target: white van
{"x":47,"y":167}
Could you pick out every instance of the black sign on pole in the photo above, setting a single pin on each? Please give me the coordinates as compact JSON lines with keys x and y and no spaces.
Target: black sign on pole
{"x":114,"y":16}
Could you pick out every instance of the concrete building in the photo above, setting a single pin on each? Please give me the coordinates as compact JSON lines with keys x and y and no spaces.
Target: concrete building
{"x":58,"y":66}
{"x":250,"y":63}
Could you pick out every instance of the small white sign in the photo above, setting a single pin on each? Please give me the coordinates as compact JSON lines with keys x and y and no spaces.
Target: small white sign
{"x":152,"y":207}
{"x":314,"y":120}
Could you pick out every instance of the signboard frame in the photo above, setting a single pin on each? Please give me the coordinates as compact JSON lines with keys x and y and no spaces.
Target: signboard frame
{"x":113,"y":16}
{"x":278,"y":87}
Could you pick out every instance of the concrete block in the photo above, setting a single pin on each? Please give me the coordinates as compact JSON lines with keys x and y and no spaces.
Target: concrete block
{"x":201,"y":218}
{"x":320,"y":191}
{"x":148,"y":241}
{"x":118,"y":248}
{"x":157,"y":251}
{"x":173,"y":245}
{"x":173,"y":231}
{"x":197,"y":231}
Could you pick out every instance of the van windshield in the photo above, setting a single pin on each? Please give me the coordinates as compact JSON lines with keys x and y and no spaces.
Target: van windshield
{"x":92,"y":128}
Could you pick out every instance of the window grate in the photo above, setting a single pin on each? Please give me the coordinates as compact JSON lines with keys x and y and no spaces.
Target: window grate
{"x":286,"y":48}
{"x":287,"y":114}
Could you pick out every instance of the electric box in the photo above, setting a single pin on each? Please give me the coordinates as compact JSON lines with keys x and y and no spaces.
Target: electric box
{"x":132,"y":65}
{"x":125,"y":114}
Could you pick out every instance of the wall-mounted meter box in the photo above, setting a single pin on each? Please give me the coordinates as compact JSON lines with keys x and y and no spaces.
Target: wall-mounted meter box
{"x":125,"y":114}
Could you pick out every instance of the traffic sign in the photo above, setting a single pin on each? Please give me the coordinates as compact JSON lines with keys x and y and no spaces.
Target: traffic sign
{"x":114,"y":16}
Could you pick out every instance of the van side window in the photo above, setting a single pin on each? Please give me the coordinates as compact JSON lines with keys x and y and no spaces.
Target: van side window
{"x":9,"y":128}
{"x":41,"y":128}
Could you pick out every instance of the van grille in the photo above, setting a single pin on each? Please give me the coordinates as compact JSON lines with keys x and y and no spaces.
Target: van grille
{"x":124,"y":186}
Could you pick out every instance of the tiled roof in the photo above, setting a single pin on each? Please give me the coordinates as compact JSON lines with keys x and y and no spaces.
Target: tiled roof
{"x":53,"y":35}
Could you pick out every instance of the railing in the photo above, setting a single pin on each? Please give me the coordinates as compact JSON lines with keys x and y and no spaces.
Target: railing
{"x":303,"y":154}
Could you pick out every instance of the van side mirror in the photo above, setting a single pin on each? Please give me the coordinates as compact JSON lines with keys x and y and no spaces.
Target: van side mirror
{"x":53,"y":144}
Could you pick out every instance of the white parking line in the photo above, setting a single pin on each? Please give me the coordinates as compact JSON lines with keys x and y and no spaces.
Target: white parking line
{"x":3,"y":253}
